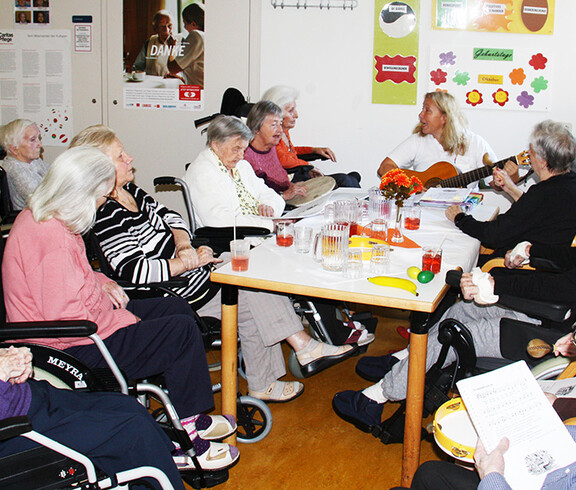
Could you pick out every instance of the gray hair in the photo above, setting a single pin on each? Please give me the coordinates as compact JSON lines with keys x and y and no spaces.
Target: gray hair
{"x":11,"y":134}
{"x":553,"y":142}
{"x":260,"y":111}
{"x":161,"y":13}
{"x":281,"y":95}
{"x":75,"y":181}
{"x":97,"y":136}
{"x":225,"y":127}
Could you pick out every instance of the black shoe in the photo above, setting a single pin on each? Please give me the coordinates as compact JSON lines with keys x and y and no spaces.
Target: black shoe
{"x":356,"y":408}
{"x":321,"y":363}
{"x":375,"y":368}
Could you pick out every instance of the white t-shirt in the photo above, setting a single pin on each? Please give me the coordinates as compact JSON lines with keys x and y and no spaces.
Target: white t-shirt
{"x":421,"y":152}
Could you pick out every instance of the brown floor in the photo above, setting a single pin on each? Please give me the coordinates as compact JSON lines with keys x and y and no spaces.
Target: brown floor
{"x":309,"y":447}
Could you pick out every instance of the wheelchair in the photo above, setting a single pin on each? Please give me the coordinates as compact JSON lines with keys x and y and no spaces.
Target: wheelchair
{"x":440,"y":382}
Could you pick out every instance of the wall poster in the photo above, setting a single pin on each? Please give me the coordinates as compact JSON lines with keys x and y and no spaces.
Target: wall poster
{"x":164,"y":56}
{"x":395,"y":60}
{"x":501,"y":78}
{"x":36,"y":81}
{"x":515,"y":16}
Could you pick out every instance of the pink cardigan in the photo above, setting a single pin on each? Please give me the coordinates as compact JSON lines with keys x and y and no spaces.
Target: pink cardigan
{"x":46,"y":276}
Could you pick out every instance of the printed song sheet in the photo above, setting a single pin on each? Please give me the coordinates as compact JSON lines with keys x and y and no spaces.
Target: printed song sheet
{"x":508,"y":402}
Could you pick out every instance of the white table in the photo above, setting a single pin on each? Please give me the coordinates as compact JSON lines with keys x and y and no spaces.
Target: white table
{"x":279,"y":269}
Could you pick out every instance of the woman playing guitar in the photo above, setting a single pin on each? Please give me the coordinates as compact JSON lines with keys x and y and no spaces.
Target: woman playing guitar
{"x":441,"y":136}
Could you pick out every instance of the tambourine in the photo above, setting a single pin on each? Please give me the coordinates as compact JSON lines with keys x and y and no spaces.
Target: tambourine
{"x":315,"y":189}
{"x":454,"y":432}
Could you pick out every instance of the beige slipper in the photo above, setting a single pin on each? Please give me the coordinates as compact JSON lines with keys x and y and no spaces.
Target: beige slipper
{"x":279,"y":392}
{"x":323,"y":356}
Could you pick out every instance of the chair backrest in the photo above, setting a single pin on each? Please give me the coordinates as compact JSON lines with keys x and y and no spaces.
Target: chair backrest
{"x":6,"y":209}
{"x":174,"y":181}
{"x":2,"y":306}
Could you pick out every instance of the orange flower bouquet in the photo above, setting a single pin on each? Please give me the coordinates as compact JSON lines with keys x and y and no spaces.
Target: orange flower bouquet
{"x":396,"y":185}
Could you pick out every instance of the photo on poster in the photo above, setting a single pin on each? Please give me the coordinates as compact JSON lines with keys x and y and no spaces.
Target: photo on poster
{"x":164,"y":54}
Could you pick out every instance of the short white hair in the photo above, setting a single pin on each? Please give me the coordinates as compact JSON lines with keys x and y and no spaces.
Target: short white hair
{"x":11,"y":134}
{"x":75,"y":181}
{"x":281,"y":95}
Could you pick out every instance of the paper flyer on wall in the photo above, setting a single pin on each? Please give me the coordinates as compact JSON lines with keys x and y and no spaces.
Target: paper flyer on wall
{"x":508,"y":402}
{"x":164,"y":57}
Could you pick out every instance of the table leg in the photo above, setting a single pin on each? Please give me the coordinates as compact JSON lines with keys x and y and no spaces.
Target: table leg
{"x":229,"y":352}
{"x":414,"y":404}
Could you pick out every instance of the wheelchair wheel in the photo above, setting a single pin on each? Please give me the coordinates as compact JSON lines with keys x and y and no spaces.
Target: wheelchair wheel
{"x":551,"y":368}
{"x":254,"y":419}
{"x":294,"y":366}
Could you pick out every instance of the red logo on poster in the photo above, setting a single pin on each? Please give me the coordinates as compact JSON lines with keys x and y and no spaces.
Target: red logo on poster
{"x":189,"y":92}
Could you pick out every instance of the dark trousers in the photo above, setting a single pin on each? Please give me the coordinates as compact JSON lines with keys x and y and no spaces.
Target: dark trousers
{"x":112,"y":429}
{"x":166,"y":341}
{"x":433,"y":475}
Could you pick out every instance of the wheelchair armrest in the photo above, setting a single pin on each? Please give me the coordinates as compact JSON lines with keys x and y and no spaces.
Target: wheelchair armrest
{"x":530,"y":307}
{"x":14,"y":426}
{"x":47,"y":330}
{"x":310,"y":157}
{"x":174,"y":282}
{"x":299,"y":168}
{"x":165,"y":180}
{"x":544,"y":264}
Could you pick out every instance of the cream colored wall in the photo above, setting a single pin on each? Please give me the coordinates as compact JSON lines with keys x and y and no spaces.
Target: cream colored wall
{"x":327,"y":55}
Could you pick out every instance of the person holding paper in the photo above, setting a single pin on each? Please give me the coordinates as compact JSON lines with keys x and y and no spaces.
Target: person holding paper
{"x":542,"y":214}
{"x":442,"y":135}
{"x":482,"y":317}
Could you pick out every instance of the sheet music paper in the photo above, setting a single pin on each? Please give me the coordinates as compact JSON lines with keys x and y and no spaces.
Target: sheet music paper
{"x":508,"y":402}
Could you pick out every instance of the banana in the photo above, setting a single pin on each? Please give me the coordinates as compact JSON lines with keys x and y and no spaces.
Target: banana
{"x":394,"y":282}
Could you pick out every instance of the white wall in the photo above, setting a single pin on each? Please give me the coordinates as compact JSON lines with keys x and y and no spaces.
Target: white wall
{"x":328,"y":56}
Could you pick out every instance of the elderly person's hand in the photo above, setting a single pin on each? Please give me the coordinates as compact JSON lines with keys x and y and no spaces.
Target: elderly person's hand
{"x":565,"y":346}
{"x":265,"y":210}
{"x":293,"y":191}
{"x":516,"y":257}
{"x":206,"y":256}
{"x":189,"y":257}
{"x":493,"y":462}
{"x":505,"y":182}
{"x":325,"y":152}
{"x":15,"y":364}
{"x":116,"y":294}
{"x":453,"y":211}
{"x":315,"y":173}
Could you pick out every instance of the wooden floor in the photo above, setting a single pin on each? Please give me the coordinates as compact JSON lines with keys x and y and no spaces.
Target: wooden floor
{"x":309,"y":447}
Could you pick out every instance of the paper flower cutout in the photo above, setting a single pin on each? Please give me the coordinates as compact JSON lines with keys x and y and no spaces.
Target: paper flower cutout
{"x":501,"y":97}
{"x":438,"y":76}
{"x":538,"y":61}
{"x":461,"y":78}
{"x":474,"y":98}
{"x":517,"y":76}
{"x":539,"y":84}
{"x":448,"y":58}
{"x":525,"y":99}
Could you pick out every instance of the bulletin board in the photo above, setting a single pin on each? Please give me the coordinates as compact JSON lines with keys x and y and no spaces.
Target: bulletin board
{"x":513,"y":16}
{"x":499,"y":78}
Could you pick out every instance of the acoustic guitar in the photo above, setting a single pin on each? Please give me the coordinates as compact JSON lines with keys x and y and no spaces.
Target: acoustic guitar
{"x":444,"y":174}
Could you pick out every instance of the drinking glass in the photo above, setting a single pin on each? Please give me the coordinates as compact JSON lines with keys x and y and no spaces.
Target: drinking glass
{"x":380,"y":260}
{"x":284,"y":234}
{"x":302,"y":239}
{"x":353,"y":263}
{"x":240,"y":252}
{"x":431,"y":259}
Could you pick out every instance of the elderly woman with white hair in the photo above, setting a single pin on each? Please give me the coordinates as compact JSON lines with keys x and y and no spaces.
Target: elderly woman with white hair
{"x":25,"y":169}
{"x":47,"y":277}
{"x":285,"y":97}
{"x":145,"y":242}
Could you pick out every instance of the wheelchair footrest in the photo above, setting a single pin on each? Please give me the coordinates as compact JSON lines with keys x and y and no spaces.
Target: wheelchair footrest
{"x":210,"y":478}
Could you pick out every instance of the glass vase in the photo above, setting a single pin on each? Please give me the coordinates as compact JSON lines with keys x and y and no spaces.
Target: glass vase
{"x":397,"y":236}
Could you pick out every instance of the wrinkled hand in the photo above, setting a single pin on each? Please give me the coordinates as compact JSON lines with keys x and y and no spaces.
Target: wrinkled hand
{"x":116,"y":294}
{"x":493,"y":462}
{"x":315,"y":173}
{"x":293,"y":191}
{"x":503,"y":181}
{"x":517,"y":261}
{"x":468,"y":288}
{"x":325,"y":152}
{"x":265,"y":210}
{"x":206,"y":256}
{"x":189,"y":258}
{"x":15,"y":364}
{"x":565,"y":347}
{"x":453,"y":211}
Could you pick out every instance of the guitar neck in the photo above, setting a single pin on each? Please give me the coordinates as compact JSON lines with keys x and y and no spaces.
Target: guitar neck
{"x":462,"y":180}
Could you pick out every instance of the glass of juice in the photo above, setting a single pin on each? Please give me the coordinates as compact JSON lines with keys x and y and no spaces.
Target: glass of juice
{"x":412,"y":217}
{"x":431,"y":259}
{"x":284,"y":234}
{"x":240,"y":252}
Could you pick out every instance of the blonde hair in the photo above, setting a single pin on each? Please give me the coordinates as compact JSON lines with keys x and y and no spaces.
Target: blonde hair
{"x":73,"y":184}
{"x":454,"y":135}
{"x":97,"y":136}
